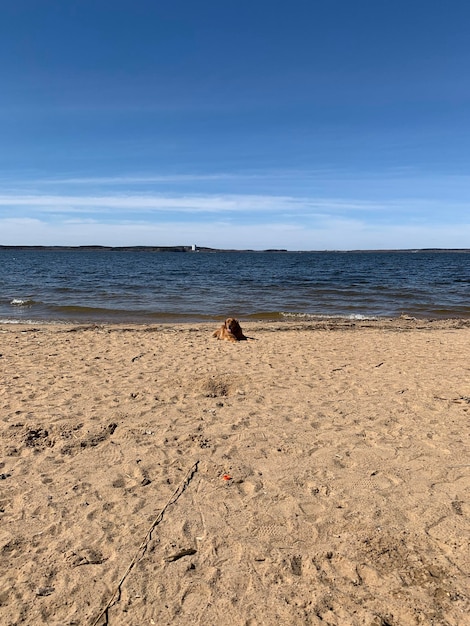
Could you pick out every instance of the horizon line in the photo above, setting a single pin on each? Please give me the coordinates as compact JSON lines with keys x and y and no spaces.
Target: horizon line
{"x":196,"y":248}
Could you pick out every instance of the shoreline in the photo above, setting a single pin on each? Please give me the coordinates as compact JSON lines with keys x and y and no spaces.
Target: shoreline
{"x":195,"y":248}
{"x":403,"y":322}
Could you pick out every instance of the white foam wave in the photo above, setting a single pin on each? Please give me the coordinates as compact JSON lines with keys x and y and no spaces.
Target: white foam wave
{"x":318,"y":316}
{"x":21,"y":302}
{"x":16,"y":321}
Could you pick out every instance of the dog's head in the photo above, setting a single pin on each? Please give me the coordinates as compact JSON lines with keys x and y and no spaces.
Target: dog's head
{"x":232,"y":325}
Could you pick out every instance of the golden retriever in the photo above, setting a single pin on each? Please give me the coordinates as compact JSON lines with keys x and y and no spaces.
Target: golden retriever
{"x":230,"y":331}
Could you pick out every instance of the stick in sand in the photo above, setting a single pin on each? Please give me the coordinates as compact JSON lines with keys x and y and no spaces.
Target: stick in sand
{"x":143,"y":546}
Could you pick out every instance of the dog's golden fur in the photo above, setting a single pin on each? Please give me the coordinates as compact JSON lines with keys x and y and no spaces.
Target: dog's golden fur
{"x":230,"y":331}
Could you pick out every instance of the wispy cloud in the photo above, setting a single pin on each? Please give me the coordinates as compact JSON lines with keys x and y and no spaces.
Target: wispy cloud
{"x":326,"y":173}
{"x":196,"y":203}
{"x":139,"y":180}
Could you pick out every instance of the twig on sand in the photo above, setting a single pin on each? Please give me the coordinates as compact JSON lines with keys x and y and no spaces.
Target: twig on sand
{"x":143,"y":546}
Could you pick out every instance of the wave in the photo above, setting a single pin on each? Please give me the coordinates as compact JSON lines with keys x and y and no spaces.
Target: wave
{"x":320,"y":316}
{"x":20,"y":302}
{"x":16,"y":321}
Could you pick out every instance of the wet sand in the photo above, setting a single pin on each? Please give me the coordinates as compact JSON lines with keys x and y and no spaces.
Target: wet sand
{"x":315,"y":474}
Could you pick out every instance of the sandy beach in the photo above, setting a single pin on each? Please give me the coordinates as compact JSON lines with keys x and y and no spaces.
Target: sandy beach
{"x":317,"y":473}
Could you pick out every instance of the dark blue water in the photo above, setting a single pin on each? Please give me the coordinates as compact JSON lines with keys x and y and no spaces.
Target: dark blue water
{"x":143,"y":286}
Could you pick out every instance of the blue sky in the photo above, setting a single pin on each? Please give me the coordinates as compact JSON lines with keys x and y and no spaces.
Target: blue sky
{"x":312,"y":125}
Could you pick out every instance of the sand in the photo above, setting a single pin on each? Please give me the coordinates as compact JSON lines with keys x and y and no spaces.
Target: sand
{"x":316,"y":474}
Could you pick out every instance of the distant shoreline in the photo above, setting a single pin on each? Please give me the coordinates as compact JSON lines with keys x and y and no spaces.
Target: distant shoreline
{"x":193,"y":249}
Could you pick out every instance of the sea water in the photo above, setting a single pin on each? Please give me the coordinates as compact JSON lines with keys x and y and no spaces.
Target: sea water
{"x":141,"y":286}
